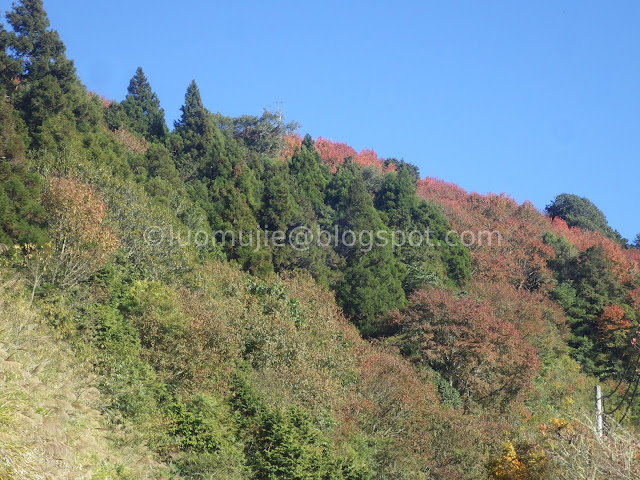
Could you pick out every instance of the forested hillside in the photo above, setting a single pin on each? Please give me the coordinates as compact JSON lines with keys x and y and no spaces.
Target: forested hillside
{"x":229,"y":299}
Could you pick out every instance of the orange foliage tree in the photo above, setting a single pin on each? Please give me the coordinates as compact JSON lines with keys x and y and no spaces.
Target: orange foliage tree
{"x":625,"y":264}
{"x":611,"y":320}
{"x":75,"y":214}
{"x":334,"y":153}
{"x":291,"y":143}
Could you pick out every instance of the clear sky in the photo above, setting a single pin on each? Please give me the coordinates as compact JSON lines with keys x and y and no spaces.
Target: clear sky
{"x":532,"y":99}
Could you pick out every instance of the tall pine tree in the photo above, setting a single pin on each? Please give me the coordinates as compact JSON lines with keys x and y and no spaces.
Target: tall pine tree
{"x":201,"y":145}
{"x":142,"y":108}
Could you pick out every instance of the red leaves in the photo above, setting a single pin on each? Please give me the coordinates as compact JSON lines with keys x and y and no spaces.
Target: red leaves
{"x":633,"y":298}
{"x":483,"y":355}
{"x":518,"y":256}
{"x":625,"y":263}
{"x":291,"y":144}
{"x":334,"y":153}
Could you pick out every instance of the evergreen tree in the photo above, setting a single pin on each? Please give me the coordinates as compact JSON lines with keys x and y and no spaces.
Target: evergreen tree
{"x":10,"y":68}
{"x":201,"y":143}
{"x":21,"y":212}
{"x":195,"y":125}
{"x":372,"y":282}
{"x":311,"y":175}
{"x":49,"y":96}
{"x":142,"y":108}
{"x":586,"y":287}
{"x":279,"y":208}
{"x":431,"y":259}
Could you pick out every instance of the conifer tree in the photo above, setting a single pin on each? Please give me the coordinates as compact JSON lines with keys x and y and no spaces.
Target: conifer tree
{"x":203,"y":151}
{"x":310,"y":173}
{"x":279,"y":208}
{"x":142,"y":108}
{"x":49,"y":96}
{"x":21,"y":213}
{"x":194,"y":125}
{"x":428,"y":259}
{"x":372,"y":282}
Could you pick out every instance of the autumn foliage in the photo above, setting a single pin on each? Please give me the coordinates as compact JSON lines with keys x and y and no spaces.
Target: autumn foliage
{"x":626,"y":263}
{"x":512,"y":249}
{"x":334,"y":153}
{"x":131,"y":142}
{"x":76,"y":215}
{"x":232,"y":362}
{"x":612,"y":320}
{"x":483,"y":356}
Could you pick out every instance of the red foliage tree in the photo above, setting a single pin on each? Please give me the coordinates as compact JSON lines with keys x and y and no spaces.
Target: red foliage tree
{"x":483,"y":356}
{"x":334,"y":153}
{"x":532,"y":313}
{"x":291,"y":143}
{"x":625,"y":267}
{"x":507,"y":241}
{"x":633,"y":298}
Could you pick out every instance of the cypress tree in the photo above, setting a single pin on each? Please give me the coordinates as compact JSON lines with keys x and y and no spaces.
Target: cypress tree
{"x":203,"y":151}
{"x":279,"y":208}
{"x":433,"y":259}
{"x":311,"y":175}
{"x":142,"y":108}
{"x":372,"y":282}
{"x":49,"y":96}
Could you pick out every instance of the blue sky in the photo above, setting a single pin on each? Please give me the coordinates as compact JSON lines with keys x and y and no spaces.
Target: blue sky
{"x":532,"y":99}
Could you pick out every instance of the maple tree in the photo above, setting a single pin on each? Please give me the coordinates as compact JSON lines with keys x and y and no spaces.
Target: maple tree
{"x":334,"y":154}
{"x":483,"y":356}
{"x":612,"y":319}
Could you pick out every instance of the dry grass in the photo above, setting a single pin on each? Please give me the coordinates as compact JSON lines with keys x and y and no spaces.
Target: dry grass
{"x":51,"y":426}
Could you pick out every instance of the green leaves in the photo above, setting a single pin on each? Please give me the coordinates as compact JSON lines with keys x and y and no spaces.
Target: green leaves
{"x":284,"y":444}
{"x":142,"y":108}
{"x":372,"y":281}
{"x":49,"y":95}
{"x":581,"y":212}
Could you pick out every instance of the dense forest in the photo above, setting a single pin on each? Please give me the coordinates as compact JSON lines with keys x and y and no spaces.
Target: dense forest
{"x":134,"y":344}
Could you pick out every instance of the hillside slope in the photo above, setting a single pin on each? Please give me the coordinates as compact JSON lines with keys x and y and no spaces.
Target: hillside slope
{"x":230,"y":300}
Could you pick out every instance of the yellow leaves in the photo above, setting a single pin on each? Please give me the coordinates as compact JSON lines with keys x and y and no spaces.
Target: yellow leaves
{"x":511,"y":466}
{"x":560,"y":424}
{"x":30,"y":253}
{"x":508,"y":467}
